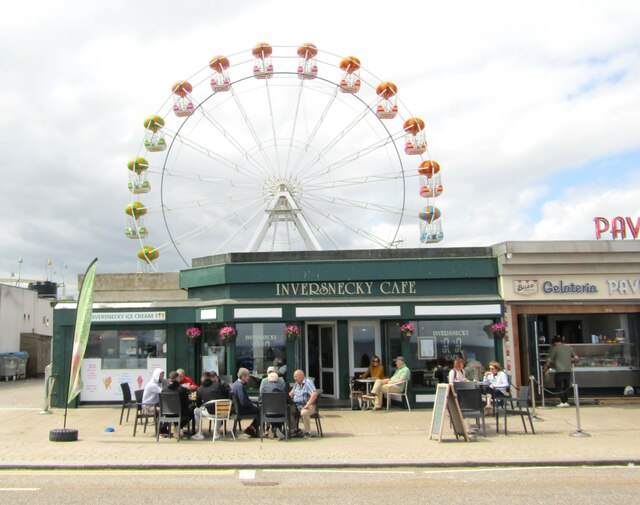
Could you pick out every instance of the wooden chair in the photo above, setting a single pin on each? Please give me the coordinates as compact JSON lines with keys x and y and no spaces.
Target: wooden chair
{"x":222,"y":412}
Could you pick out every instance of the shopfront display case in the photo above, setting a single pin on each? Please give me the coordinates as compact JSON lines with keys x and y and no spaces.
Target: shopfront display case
{"x":607,"y":365}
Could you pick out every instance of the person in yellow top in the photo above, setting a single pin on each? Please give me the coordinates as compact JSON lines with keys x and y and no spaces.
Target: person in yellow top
{"x":375,"y":370}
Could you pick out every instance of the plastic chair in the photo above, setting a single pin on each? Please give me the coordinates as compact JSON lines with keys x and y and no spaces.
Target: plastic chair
{"x":274,"y":409}
{"x":237,"y":417}
{"x":402,"y":395}
{"x":316,"y":415}
{"x":518,"y":406}
{"x":222,"y":412}
{"x":170,"y":411}
{"x":141,"y":414}
{"x":127,"y":401}
{"x":471,"y":404}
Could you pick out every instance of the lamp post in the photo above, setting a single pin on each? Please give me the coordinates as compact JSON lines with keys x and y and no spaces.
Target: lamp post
{"x":20,"y":260}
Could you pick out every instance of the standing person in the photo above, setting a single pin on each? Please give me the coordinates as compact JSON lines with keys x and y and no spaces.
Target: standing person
{"x":457,"y":373}
{"x":210,"y":389}
{"x":245,"y":405}
{"x":395,"y":384}
{"x":185,"y":381}
{"x":151,"y":395}
{"x":303,"y":394}
{"x":563,"y":357}
{"x":186,"y":409}
{"x":497,"y":383}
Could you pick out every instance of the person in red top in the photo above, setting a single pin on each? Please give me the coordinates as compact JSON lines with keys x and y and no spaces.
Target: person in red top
{"x":185,"y":381}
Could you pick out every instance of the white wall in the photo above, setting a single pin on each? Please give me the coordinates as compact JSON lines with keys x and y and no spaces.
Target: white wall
{"x":21,"y":311}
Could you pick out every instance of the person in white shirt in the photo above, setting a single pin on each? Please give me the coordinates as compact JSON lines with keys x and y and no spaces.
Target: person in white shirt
{"x":497,"y":383}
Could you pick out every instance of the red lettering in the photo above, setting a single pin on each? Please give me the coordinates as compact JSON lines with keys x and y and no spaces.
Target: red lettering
{"x":635,"y":229}
{"x":618,"y":227}
{"x":602,"y":225}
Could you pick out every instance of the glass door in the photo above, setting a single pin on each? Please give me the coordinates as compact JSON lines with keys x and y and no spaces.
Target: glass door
{"x":321,"y":357}
{"x":364,"y":342}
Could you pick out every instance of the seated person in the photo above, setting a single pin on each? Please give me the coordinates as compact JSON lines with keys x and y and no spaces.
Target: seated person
{"x":151,"y":394}
{"x":496,"y":382}
{"x":211,"y":388}
{"x":275,"y":384}
{"x":457,"y":373}
{"x":375,"y":369}
{"x":265,"y":380}
{"x":185,"y":381}
{"x":385,"y":386}
{"x":303,"y":396}
{"x":245,"y":405}
{"x":281,"y":368}
{"x":186,"y":409}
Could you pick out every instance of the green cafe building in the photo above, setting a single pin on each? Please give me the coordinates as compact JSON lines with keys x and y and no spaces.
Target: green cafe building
{"x":348,"y":306}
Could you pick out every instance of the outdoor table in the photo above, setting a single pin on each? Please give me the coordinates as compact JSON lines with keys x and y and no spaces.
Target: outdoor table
{"x":368,"y":382}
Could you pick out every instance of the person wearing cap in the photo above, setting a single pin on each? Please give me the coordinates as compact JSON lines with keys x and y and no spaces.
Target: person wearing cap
{"x":265,"y":380}
{"x":395,"y":384}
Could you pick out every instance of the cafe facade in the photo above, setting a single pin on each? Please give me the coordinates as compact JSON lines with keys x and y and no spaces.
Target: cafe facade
{"x":346,"y":307}
{"x":350,"y":305}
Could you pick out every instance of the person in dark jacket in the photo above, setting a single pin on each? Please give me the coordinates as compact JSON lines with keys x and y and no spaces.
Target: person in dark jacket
{"x":186,"y":409}
{"x":245,"y":405}
{"x":211,"y":388}
{"x":274,"y":385}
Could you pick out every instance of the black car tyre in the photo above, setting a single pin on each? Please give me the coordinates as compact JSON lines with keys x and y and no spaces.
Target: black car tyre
{"x":63,"y":435}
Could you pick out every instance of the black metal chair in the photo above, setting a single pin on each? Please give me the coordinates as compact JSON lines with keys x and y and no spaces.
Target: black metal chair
{"x":170,"y":412}
{"x":518,"y":406}
{"x":471,"y":404}
{"x":141,"y":413}
{"x":238,"y":417}
{"x":274,"y":409}
{"x":127,"y":401}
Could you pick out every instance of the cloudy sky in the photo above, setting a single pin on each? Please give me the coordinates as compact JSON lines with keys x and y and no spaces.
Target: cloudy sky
{"x":531,"y":109}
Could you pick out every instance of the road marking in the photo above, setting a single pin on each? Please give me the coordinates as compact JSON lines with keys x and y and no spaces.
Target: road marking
{"x":2,"y":489}
{"x":515,"y":469}
{"x":311,"y":470}
{"x":247,"y":474}
{"x":127,"y":471}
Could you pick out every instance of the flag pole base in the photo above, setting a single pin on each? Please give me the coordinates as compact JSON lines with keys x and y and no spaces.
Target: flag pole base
{"x":579,"y":433}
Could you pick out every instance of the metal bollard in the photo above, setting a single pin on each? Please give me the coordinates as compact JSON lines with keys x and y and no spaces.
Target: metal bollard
{"x":534,"y":416}
{"x":51,"y":380}
{"x":578,"y":432}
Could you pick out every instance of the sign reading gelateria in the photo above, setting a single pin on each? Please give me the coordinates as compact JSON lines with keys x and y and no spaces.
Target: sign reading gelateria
{"x":598,"y":285}
{"x":346,"y":288}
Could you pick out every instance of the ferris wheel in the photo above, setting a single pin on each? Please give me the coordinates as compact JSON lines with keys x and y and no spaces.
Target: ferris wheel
{"x":280,"y":148}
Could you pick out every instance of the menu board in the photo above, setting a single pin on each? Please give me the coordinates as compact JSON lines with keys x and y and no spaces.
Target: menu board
{"x":447,"y":402}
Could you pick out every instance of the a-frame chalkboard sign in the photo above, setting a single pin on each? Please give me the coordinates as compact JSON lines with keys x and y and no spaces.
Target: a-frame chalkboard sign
{"x":446,"y":401}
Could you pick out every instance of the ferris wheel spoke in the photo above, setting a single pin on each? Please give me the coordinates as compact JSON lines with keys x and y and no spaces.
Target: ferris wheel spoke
{"x":254,"y":134}
{"x":350,"y":226}
{"x":356,"y":181}
{"x":335,"y":141}
{"x":314,"y":132}
{"x":359,"y":204}
{"x":244,"y":152}
{"x":273,"y":125}
{"x":352,"y":157}
{"x":295,"y":122}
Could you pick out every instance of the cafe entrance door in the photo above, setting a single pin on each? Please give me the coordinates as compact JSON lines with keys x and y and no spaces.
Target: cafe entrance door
{"x":321,"y":357}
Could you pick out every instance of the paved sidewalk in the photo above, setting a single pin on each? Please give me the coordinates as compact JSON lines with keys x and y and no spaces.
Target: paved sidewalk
{"x":352,"y":439}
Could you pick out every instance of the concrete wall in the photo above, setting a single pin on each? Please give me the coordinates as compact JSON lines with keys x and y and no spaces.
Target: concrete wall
{"x":21,"y":311}
{"x":154,"y":287}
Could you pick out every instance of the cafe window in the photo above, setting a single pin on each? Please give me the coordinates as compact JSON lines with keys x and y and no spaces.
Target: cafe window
{"x":448,"y":339}
{"x":126,"y":349}
{"x":259,"y":345}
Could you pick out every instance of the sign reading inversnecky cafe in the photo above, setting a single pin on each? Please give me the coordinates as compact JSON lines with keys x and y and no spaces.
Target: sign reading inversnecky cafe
{"x":346,"y":288}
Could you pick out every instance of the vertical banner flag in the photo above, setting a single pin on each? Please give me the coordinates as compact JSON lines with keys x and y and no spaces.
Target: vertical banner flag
{"x":81,"y":332}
